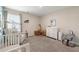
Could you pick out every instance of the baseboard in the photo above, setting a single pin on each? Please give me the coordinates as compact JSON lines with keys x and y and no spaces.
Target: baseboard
{"x":31,"y":36}
{"x":51,"y":37}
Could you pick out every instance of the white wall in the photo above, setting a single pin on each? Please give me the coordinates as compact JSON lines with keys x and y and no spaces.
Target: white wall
{"x":32,"y":25}
{"x":33,"y":21}
{"x":66,"y":19}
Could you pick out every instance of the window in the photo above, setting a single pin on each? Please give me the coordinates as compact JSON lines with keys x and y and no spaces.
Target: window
{"x":1,"y":24}
{"x":13,"y":22}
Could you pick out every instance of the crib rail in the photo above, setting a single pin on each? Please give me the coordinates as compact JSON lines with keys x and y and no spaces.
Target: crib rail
{"x":9,"y":40}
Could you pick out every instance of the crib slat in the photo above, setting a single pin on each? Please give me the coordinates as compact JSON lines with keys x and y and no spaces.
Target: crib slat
{"x":5,"y":40}
{"x":18,"y":39}
{"x":2,"y":43}
{"x":13,"y":38}
{"x":10,"y":39}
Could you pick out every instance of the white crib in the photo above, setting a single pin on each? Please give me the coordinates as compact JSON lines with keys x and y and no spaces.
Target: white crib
{"x":11,"y":42}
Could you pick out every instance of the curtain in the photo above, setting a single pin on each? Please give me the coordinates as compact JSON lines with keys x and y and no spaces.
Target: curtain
{"x":0,"y":23}
{"x":2,"y":18}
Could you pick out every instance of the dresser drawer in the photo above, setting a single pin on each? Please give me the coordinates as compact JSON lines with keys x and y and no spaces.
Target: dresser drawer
{"x":51,"y":32}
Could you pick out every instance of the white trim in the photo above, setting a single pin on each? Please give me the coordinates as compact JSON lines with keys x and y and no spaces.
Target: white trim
{"x":16,"y":47}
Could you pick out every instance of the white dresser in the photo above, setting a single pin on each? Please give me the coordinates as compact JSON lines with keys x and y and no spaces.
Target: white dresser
{"x":51,"y":32}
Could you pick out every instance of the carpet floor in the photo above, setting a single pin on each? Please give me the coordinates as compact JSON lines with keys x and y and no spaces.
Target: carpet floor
{"x":45,"y":44}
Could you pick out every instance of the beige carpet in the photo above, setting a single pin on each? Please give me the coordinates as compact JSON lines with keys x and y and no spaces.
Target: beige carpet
{"x":45,"y":44}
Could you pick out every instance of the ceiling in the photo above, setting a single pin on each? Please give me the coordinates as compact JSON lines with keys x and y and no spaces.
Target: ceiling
{"x":37,"y":10}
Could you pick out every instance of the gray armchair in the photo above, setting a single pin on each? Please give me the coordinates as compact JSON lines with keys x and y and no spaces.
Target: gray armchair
{"x":68,"y":38}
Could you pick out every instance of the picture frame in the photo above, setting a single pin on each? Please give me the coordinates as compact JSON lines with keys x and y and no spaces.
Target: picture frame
{"x":53,"y":22}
